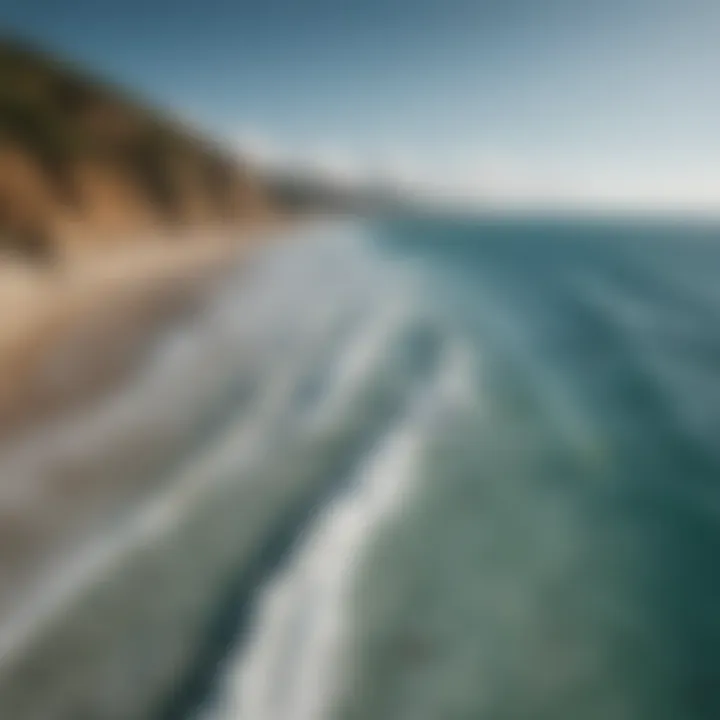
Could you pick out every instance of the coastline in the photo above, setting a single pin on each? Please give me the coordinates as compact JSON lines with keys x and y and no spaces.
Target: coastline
{"x":114,"y":571}
{"x":72,"y":339}
{"x":71,"y":333}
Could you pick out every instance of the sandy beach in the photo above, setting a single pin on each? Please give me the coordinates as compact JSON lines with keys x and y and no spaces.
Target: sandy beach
{"x":70,"y":332}
{"x":95,"y":418}
{"x":71,"y":339}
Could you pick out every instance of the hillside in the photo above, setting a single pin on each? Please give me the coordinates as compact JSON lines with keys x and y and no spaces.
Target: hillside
{"x":83,"y":162}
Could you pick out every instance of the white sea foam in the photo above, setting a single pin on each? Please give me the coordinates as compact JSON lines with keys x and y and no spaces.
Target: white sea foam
{"x":294,"y":661}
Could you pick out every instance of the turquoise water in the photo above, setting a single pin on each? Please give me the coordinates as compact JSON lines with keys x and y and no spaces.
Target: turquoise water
{"x":525,"y":521}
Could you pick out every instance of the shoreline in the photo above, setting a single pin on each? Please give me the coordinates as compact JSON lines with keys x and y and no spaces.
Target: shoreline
{"x":78,"y":470}
{"x":121,"y":566}
{"x":71,"y":333}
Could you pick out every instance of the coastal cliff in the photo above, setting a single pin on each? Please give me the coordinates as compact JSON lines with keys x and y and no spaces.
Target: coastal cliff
{"x":83,"y":163}
{"x":135,"y":214}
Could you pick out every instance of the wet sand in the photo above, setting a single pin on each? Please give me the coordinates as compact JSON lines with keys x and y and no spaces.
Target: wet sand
{"x":72,"y":339}
{"x":110,"y":553}
{"x":71,"y":332}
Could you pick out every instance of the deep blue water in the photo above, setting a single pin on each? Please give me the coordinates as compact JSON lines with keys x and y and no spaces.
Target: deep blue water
{"x":534,"y":532}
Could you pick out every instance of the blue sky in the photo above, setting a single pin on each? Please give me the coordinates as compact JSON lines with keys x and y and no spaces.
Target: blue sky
{"x":617,"y":101}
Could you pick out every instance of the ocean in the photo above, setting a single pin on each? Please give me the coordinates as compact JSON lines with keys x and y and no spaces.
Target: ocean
{"x":457,"y":469}
{"x":522,"y":513}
